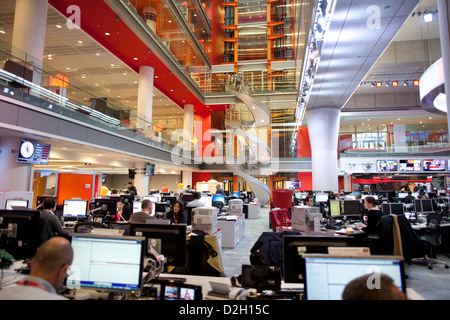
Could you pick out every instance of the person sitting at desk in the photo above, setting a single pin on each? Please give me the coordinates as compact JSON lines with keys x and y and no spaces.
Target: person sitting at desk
{"x":176,"y":214}
{"x":196,"y":202}
{"x":48,"y":214}
{"x":144,"y":214}
{"x":409,"y":198}
{"x":47,"y":273}
{"x":374,"y":215}
{"x":309,"y":201}
{"x":122,"y":212}
{"x":358,"y":289}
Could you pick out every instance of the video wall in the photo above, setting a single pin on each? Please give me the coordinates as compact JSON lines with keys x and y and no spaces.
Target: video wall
{"x":412,"y":165}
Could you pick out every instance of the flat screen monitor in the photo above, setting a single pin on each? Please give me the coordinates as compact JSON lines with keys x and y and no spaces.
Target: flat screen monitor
{"x":10,"y":203}
{"x":396,"y":208}
{"x":418,"y":205}
{"x":168,"y":240}
{"x":219,"y":198}
{"x":33,"y":152}
{"x":21,"y":233}
{"x":127,"y":198}
{"x":206,"y":200}
{"x":410,"y":165}
{"x":108,"y":206}
{"x":351,"y":208}
{"x":386,"y":165}
{"x":294,"y":246}
{"x":434,"y":165}
{"x":153,"y":198}
{"x":169,"y":199}
{"x":427,"y":205}
{"x":75,"y":208}
{"x":41,"y":199}
{"x":335,"y":208}
{"x":321,"y":197}
{"x":326,"y":276}
{"x":386,"y":208}
{"x":236,"y":194}
{"x":188,"y":197}
{"x":106,"y":262}
{"x":293,"y":184}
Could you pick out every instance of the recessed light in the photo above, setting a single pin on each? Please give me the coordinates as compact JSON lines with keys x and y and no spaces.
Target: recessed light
{"x":58,"y":26}
{"x":135,"y":58}
{"x":80,"y":42}
{"x":107,"y":34}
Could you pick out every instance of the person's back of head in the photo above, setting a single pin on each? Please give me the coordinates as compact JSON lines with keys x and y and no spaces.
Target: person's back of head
{"x":51,"y":260}
{"x":49,"y":203}
{"x":146,"y":204}
{"x":197,"y":195}
{"x":374,"y":286}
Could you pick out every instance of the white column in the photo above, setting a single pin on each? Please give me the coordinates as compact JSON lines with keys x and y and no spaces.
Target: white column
{"x":141,"y":181}
{"x":444,"y":12}
{"x":14,"y":176}
{"x":28,"y":39}
{"x":186,"y":177}
{"x":323,"y":127}
{"x":145,"y":99}
{"x":188,"y":127}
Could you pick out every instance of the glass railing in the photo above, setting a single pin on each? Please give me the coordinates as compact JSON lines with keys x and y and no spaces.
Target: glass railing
{"x":21,"y":79}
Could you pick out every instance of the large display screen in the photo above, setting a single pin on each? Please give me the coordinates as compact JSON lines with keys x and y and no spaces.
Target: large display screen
{"x":433,"y":165}
{"x":33,"y":152}
{"x":386,"y":165}
{"x":293,"y":184}
{"x":410,"y":165}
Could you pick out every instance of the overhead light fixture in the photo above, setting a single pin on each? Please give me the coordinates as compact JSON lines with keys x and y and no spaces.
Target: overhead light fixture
{"x":416,"y":83}
{"x":428,"y":17}
{"x":379,"y":84}
{"x":395,"y":83}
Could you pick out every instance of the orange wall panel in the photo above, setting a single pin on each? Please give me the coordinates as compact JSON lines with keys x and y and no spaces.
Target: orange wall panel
{"x":72,"y":185}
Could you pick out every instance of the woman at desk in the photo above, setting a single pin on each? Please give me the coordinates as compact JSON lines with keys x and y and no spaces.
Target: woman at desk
{"x":374,"y":215}
{"x":176,"y":214}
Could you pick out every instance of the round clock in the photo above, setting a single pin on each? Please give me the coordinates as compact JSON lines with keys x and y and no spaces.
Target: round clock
{"x":27,"y":149}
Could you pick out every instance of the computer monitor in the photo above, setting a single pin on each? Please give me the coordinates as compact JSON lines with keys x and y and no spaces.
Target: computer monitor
{"x":40,"y":199}
{"x":16,"y":203}
{"x":169,"y":199}
{"x":397,"y":208}
{"x":20,"y":233}
{"x":218,"y":198}
{"x":206,"y":200}
{"x":187,"y":197}
{"x":295,"y":246}
{"x":321,"y":197}
{"x":168,"y":240}
{"x":335,"y":208}
{"x":153,"y":198}
{"x":106,"y":262}
{"x":104,"y":208}
{"x":127,"y":198}
{"x":236,"y":194}
{"x":75,"y":208}
{"x":326,"y":276}
{"x":427,"y":205}
{"x":351,"y":208}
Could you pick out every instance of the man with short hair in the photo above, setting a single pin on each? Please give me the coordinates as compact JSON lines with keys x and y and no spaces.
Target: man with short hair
{"x":196,"y":202}
{"x":48,"y":271}
{"x":48,"y":214}
{"x":132,"y":189}
{"x":144,"y":214}
{"x":219,"y":190}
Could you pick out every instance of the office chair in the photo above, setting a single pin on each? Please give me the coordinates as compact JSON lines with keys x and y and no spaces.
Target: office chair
{"x":431,"y":240}
{"x":86,"y":227}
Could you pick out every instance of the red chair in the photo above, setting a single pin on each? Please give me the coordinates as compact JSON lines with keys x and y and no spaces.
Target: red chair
{"x":280,"y":220}
{"x":282,"y":198}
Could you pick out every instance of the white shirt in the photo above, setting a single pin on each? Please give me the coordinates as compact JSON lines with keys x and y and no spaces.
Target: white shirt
{"x":30,"y":288}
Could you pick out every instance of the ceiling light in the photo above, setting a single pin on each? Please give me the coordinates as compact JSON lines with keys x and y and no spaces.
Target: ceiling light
{"x":135,"y":58}
{"x":97,"y":53}
{"x":416,"y":82}
{"x":395,"y":83}
{"x":428,"y":17}
{"x":58,"y":26}
{"x":80,"y":42}
{"x":379,"y":84}
{"x":107,"y":34}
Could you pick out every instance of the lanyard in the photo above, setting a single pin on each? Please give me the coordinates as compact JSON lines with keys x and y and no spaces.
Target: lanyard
{"x":31,"y":284}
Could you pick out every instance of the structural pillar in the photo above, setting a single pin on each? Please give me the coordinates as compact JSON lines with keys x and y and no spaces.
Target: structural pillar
{"x":323,"y":127}
{"x":145,"y":100}
{"x":188,"y":128}
{"x":14,"y":176}
{"x":28,"y":39}
{"x":141,"y":180}
{"x":444,"y":12}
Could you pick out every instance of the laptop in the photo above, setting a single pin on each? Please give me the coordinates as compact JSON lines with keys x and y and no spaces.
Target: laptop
{"x":326,"y":276}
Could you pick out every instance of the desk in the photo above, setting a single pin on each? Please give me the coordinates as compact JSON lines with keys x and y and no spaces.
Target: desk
{"x":233,"y":230}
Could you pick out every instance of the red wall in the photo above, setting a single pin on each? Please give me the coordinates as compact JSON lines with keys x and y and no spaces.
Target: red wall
{"x":199,"y":131}
{"x":303,"y":143}
{"x":306,"y":179}
{"x":200,"y":177}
